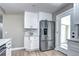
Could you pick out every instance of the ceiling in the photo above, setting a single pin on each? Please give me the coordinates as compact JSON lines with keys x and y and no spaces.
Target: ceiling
{"x":21,"y":7}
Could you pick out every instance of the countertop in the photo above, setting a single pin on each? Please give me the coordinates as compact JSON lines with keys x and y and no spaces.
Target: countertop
{"x":75,"y":40}
{"x":3,"y":41}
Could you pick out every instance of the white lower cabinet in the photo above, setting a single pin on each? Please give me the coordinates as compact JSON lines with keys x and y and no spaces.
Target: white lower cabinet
{"x":27,"y":43}
{"x":8,"y":48}
{"x":34,"y":43}
{"x":31,"y":43}
{"x":73,"y":48}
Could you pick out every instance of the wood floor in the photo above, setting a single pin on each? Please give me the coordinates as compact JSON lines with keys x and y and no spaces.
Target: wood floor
{"x":36,"y":53}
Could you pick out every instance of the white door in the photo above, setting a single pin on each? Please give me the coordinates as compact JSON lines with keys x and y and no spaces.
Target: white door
{"x":63,"y":30}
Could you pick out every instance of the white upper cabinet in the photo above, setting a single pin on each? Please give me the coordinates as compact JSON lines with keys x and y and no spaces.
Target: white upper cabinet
{"x":45,"y":16}
{"x":76,"y":13}
{"x":30,"y":20}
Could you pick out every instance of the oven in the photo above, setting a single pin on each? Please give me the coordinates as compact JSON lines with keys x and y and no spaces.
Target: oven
{"x":3,"y":50}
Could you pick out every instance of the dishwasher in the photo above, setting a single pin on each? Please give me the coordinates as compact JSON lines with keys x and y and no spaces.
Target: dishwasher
{"x":3,"y":50}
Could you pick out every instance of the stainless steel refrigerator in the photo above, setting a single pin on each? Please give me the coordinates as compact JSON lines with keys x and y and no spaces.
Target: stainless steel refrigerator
{"x":47,"y":35}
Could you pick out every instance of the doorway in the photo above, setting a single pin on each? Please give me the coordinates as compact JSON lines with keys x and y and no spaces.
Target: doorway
{"x":65,"y":31}
{"x":63,"y":28}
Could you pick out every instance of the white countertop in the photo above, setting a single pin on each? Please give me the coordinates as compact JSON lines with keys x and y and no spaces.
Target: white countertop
{"x":75,"y":40}
{"x":3,"y":41}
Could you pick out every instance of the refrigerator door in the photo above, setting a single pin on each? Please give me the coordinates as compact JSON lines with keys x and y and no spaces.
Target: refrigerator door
{"x":43,"y":35}
{"x":51,"y":35}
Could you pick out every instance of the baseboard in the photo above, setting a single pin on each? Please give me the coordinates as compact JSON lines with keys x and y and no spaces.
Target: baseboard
{"x":19,"y":48}
{"x":32,"y":49}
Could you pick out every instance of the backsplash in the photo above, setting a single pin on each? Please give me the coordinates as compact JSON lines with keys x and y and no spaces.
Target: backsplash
{"x":31,"y":32}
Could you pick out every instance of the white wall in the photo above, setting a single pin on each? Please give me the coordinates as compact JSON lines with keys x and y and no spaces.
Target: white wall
{"x":14,"y":25}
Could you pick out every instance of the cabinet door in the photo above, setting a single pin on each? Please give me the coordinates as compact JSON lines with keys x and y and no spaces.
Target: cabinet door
{"x":27,"y":43}
{"x":45,"y":16}
{"x":30,"y":20}
{"x":76,"y":13}
{"x":27,"y":19}
{"x":34,"y":43}
{"x":34,"y":19}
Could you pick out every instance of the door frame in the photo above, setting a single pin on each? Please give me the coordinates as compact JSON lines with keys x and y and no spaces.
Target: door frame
{"x":58,"y":29}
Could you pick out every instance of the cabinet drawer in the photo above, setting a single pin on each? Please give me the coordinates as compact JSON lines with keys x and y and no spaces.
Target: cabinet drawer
{"x":34,"y":38}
